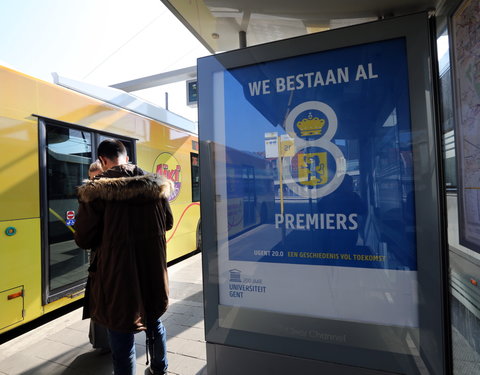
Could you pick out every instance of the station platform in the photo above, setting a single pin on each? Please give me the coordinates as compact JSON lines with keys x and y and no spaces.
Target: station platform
{"x":62,"y":346}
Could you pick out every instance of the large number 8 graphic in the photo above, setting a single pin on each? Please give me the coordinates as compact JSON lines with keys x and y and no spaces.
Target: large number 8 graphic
{"x":323,"y":142}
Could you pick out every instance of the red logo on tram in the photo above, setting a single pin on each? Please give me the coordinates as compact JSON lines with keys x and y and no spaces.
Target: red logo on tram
{"x":171,"y":174}
{"x":167,"y":165}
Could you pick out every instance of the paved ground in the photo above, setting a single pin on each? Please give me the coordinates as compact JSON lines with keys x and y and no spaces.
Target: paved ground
{"x":62,"y":347}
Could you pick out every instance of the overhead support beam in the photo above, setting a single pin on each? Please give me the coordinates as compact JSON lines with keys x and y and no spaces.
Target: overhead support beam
{"x":158,"y":79}
{"x":245,"y":20}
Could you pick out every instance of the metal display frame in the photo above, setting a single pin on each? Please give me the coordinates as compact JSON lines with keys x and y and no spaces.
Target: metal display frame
{"x":237,"y":351}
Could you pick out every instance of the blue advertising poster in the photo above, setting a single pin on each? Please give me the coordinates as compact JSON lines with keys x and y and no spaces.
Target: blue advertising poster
{"x":318,"y":158}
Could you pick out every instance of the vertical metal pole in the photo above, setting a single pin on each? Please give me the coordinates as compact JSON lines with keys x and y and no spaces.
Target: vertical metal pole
{"x":242,"y":38}
{"x":166,"y":101}
{"x":280,"y":172}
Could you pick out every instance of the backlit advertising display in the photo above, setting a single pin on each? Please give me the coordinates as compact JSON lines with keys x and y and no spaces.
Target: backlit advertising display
{"x":337,"y":207}
{"x":320,"y":205}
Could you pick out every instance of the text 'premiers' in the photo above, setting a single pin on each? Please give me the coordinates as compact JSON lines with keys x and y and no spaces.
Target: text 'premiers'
{"x":317,"y":221}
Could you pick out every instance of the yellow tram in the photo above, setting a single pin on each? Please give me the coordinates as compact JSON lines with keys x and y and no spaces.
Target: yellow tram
{"x":48,"y":138}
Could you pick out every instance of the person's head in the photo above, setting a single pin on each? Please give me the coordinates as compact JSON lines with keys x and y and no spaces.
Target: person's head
{"x":94,"y":169}
{"x":112,"y":152}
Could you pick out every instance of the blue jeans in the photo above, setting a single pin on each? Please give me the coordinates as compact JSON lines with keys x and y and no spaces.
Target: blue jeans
{"x":123,"y":349}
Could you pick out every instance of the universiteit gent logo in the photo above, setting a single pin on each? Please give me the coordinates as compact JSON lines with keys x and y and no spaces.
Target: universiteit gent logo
{"x":166,"y":165}
{"x":318,"y":167}
{"x":235,"y":276}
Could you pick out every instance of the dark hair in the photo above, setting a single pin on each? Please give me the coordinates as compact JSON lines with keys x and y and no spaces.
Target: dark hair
{"x":111,"y":149}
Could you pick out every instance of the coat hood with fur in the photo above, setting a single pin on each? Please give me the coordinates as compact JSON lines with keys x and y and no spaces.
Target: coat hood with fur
{"x":125,"y":182}
{"x":123,"y":215}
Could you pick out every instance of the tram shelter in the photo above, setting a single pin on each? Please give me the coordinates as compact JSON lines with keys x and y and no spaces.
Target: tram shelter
{"x":253,"y":43}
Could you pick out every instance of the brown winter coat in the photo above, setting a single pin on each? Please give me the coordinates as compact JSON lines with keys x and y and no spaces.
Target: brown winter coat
{"x":123,"y":215}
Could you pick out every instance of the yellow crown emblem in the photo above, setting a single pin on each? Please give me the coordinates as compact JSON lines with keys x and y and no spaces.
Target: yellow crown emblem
{"x":311,"y":125}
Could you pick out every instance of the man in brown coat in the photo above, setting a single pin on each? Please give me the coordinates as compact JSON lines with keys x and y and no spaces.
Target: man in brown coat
{"x":124,"y":214}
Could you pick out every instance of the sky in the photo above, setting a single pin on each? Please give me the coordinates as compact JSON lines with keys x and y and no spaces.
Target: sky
{"x":102,"y":42}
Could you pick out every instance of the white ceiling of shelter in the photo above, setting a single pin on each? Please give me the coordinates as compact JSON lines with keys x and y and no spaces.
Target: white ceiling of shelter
{"x":217,"y":23}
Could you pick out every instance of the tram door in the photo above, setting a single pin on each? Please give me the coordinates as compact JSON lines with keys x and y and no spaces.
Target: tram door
{"x":66,"y":153}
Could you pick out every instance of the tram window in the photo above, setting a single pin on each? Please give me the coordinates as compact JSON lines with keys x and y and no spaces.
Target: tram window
{"x":195,"y":177}
{"x":69,"y":153}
